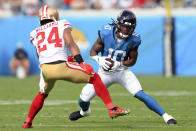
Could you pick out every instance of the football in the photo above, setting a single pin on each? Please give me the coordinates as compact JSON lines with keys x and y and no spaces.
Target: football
{"x":110,"y":65}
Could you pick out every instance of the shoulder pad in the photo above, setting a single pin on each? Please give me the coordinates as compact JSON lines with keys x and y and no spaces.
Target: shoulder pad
{"x":64,"y":21}
{"x":135,"y":41}
{"x":136,"y":38}
{"x":105,"y":30}
{"x":65,"y":24}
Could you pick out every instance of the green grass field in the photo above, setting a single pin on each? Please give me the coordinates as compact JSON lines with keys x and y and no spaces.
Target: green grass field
{"x":177,"y":95}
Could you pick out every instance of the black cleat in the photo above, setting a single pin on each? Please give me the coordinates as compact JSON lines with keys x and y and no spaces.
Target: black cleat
{"x":171,"y":122}
{"x":75,"y":116}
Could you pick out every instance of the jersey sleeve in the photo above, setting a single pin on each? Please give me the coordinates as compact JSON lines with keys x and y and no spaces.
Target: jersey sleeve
{"x":32,"y":36}
{"x":104,"y":31}
{"x":136,"y":41}
{"x":65,"y":24}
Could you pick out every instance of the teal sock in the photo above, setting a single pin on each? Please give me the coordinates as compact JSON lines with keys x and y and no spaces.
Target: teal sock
{"x":84,"y":105}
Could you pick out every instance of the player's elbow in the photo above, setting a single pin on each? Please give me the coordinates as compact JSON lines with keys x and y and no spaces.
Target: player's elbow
{"x":131,"y":62}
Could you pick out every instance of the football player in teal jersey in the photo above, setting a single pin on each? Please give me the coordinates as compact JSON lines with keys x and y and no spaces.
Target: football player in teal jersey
{"x":120,"y":43}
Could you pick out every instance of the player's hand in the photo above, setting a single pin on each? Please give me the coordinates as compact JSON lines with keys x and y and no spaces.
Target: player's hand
{"x":116,"y":65}
{"x":87,"y":68}
{"x":104,"y":63}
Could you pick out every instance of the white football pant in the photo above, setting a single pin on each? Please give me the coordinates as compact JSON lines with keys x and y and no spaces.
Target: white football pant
{"x":125,"y":77}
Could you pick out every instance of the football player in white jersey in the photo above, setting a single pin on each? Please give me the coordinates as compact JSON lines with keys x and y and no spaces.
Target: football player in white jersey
{"x":119,"y":43}
{"x":52,"y":40}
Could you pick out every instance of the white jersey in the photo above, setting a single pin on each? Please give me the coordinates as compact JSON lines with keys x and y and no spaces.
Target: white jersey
{"x":49,"y":42}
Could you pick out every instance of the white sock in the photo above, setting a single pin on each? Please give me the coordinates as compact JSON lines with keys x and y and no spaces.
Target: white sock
{"x":167,"y":117}
{"x":85,"y":113}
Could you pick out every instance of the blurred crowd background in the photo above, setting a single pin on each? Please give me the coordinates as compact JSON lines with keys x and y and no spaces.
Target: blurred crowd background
{"x":30,"y":7}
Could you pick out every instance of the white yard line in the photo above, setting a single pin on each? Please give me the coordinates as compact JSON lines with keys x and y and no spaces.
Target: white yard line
{"x":160,"y":93}
{"x":48,"y":102}
{"x":102,"y":116}
{"x":97,"y":125}
{"x":62,"y":102}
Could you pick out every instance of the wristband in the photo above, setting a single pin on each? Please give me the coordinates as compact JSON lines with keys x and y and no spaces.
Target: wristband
{"x":78,"y":58}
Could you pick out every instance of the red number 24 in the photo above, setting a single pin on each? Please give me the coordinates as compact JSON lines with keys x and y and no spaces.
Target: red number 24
{"x":52,"y":38}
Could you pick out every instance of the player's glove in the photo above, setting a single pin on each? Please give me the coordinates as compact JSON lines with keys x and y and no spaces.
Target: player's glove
{"x":116,"y":65}
{"x":87,"y":68}
{"x":71,"y":59}
{"x":101,"y":61}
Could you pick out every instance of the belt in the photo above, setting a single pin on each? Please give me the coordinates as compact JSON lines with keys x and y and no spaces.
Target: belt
{"x":56,"y":62}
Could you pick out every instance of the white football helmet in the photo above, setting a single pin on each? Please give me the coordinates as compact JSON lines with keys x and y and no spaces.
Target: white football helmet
{"x":48,"y":13}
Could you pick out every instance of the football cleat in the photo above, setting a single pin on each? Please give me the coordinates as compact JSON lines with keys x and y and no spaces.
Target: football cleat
{"x":75,"y":116}
{"x":117,"y":111}
{"x":169,"y":119}
{"x":27,"y":125}
{"x":79,"y":114}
